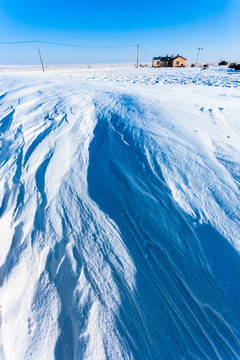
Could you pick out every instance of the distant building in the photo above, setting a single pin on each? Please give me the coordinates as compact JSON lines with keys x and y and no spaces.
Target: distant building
{"x":169,"y":61}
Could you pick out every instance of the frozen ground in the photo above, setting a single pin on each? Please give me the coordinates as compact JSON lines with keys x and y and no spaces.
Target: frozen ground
{"x":119,"y":214}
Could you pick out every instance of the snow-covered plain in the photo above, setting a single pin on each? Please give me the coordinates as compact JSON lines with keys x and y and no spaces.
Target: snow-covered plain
{"x":120,"y":214}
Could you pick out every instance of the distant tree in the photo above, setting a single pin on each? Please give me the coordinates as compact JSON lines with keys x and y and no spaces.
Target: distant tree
{"x":193,"y":65}
{"x":237,"y":67}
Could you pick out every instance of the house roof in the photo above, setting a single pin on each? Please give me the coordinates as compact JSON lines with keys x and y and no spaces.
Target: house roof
{"x":179,"y":56}
{"x":168,"y":58}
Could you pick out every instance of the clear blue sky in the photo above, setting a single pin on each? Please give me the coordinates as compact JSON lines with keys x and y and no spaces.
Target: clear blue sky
{"x":160,"y":27}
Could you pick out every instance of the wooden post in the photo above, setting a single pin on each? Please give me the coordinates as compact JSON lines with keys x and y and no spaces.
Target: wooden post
{"x":137,"y":56}
{"x":40,"y":56}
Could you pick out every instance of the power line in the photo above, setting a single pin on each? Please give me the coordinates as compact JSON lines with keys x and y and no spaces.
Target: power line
{"x":17,"y":42}
{"x":68,"y":45}
{"x":86,"y":46}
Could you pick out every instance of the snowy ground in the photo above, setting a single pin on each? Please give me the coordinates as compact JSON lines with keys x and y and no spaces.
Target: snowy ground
{"x":119,"y":214}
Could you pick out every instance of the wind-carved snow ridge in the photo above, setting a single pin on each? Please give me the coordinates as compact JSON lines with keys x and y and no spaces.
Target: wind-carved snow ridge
{"x":179,"y":287}
{"x":119,"y":221}
{"x":63,"y":260}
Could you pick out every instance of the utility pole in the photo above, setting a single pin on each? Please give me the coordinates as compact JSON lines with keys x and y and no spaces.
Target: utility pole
{"x":40,"y":56}
{"x":137,"y":56}
{"x":198,"y":54}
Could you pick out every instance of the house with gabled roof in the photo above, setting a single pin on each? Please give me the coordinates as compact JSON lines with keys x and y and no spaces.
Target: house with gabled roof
{"x":169,"y":61}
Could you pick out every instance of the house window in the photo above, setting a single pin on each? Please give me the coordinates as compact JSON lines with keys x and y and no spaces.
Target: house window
{"x":158,"y":62}
{"x":177,"y":62}
{"x":169,"y":63}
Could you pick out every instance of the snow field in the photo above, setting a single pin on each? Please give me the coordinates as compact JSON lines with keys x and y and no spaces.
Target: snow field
{"x":119,"y":214}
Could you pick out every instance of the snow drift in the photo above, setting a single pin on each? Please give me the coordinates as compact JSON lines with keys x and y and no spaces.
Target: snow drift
{"x":120,"y":215}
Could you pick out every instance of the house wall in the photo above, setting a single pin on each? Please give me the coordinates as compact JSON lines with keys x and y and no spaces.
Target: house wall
{"x":156,"y":63}
{"x":179,"y":62}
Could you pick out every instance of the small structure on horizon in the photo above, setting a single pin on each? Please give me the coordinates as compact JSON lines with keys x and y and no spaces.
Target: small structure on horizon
{"x":205,"y":66}
{"x":232,"y":65}
{"x":169,"y":61}
{"x":223,"y":62}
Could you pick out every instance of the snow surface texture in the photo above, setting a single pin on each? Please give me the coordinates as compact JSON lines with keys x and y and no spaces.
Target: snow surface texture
{"x":119,"y":214}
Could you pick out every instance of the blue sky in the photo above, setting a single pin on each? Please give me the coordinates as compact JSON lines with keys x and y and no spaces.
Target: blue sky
{"x":159,"y":27}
